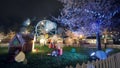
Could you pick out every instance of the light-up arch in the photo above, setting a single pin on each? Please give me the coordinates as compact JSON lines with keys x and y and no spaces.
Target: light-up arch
{"x":45,"y":26}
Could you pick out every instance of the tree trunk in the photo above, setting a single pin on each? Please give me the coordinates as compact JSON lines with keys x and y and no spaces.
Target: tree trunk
{"x":98,"y":41}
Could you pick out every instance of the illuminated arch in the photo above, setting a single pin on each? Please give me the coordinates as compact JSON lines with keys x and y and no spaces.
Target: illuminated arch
{"x":45,"y":26}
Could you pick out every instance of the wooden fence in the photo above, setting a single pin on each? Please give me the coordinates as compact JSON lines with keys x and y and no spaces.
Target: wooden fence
{"x":111,"y":62}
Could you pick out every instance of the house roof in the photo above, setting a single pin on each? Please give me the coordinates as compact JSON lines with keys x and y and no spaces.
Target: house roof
{"x":20,"y":39}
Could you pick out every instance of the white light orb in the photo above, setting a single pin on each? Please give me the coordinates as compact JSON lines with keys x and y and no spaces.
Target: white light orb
{"x":26,"y":22}
{"x":50,"y":25}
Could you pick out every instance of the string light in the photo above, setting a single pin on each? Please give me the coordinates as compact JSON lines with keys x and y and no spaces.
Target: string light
{"x":82,"y":16}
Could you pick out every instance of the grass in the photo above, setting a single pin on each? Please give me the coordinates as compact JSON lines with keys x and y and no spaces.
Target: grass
{"x":42,"y":60}
{"x":3,"y":50}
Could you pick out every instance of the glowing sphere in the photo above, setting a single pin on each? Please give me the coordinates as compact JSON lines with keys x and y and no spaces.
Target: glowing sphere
{"x":26,"y":22}
{"x":101,"y":55}
{"x":49,"y":26}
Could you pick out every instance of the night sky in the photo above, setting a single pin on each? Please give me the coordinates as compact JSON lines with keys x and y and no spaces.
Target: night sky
{"x":14,"y":12}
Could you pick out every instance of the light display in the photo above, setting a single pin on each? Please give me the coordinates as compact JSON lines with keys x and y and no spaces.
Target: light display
{"x":20,"y":57}
{"x":43,"y":41}
{"x":26,"y":23}
{"x":101,"y":55}
{"x":45,"y":26}
{"x":83,"y":16}
{"x":50,"y":25}
{"x":92,"y":54}
{"x":107,"y":51}
{"x":88,"y":17}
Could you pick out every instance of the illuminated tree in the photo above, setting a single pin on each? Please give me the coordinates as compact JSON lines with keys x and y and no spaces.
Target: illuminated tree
{"x":88,"y":16}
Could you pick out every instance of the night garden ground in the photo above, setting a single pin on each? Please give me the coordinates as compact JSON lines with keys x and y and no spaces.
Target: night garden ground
{"x":42,"y":60}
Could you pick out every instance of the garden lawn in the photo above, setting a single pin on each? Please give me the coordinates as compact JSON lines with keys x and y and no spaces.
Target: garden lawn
{"x":40,"y":59}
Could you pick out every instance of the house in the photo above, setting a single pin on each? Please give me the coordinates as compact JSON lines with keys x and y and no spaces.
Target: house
{"x":21,"y":42}
{"x":91,"y":40}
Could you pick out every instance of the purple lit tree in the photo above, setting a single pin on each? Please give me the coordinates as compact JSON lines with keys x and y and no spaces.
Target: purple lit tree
{"x":88,"y":16}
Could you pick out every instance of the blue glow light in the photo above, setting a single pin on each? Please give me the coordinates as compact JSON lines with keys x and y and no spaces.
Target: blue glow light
{"x":92,"y":54}
{"x":101,"y":55}
{"x":107,"y":51}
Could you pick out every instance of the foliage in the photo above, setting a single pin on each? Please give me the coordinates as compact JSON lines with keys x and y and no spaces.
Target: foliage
{"x":86,"y":16}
